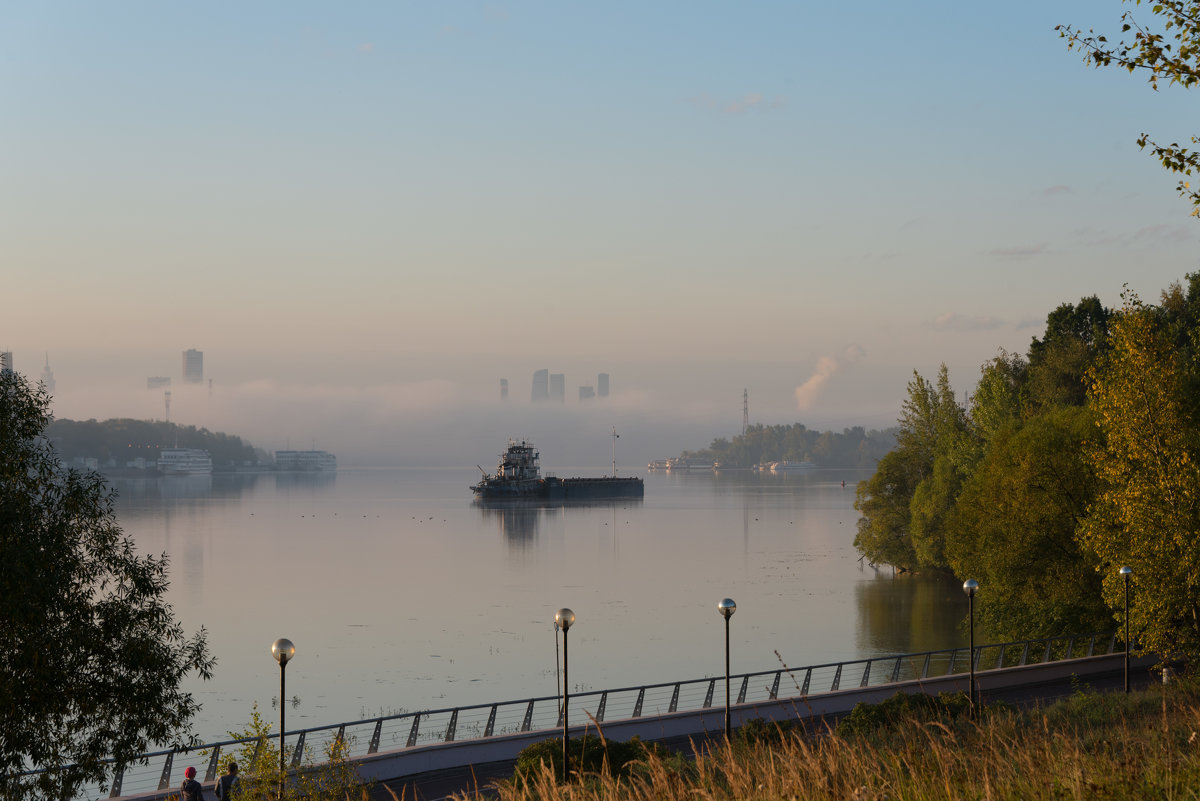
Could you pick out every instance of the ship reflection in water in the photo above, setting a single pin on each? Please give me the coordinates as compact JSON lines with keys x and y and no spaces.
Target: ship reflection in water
{"x":520,"y":520}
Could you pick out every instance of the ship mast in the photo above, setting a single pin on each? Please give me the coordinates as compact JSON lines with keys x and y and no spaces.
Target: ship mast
{"x":615,"y":437}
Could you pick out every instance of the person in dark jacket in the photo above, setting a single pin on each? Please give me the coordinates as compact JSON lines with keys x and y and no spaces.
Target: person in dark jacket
{"x":227,"y":786}
{"x":190,"y":790}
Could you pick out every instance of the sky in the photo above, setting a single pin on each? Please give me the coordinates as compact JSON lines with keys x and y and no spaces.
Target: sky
{"x":365,"y":215}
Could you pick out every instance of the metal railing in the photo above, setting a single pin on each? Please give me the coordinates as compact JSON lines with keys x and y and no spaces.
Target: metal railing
{"x":157,"y":770}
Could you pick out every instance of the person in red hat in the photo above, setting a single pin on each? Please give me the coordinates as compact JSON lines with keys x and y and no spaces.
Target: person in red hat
{"x":190,"y":790}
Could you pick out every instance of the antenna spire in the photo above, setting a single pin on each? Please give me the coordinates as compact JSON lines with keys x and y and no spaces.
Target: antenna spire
{"x":615,"y":437}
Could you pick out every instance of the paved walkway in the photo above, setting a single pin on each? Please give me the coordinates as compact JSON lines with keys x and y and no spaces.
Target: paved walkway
{"x":443,"y":784}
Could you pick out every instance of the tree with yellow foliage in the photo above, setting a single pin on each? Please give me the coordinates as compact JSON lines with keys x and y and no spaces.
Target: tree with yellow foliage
{"x":1146,"y":455}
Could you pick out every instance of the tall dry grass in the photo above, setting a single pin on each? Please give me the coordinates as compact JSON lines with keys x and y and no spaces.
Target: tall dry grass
{"x":1091,"y":746}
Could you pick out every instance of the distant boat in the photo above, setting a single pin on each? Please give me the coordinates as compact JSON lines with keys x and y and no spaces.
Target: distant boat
{"x":184,"y":462}
{"x":518,"y":476}
{"x":787,"y":467}
{"x":305,"y":461}
{"x":684,"y":464}
{"x":658,"y":464}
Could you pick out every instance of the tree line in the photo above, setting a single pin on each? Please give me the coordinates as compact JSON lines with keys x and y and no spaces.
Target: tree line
{"x":123,"y":440}
{"x":853,"y":447}
{"x":1062,"y":466}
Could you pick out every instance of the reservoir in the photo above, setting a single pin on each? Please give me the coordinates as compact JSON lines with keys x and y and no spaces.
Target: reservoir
{"x":401,"y":593}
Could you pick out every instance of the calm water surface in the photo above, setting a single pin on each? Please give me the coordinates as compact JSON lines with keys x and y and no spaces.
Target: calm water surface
{"x":401,"y":594}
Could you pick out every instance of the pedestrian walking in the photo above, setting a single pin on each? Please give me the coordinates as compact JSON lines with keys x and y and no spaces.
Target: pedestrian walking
{"x":190,"y":790}
{"x":227,"y":786}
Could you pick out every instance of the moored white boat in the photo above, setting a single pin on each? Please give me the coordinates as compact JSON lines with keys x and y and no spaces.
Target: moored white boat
{"x":184,"y":462}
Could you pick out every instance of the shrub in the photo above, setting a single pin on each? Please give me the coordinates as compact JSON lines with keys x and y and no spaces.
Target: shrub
{"x":589,"y":755}
{"x":903,"y":708}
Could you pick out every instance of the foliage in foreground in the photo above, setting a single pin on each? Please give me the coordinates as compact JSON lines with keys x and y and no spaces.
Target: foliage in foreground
{"x":1162,"y":45}
{"x":327,"y":776}
{"x":1089,"y":746}
{"x":91,"y":656}
{"x":588,"y":755}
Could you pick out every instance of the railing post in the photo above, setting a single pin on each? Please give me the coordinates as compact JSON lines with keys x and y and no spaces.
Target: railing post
{"x":603,"y":704}
{"x":1025,"y":654}
{"x":925,"y":667}
{"x":950,"y":669}
{"x":118,"y":777}
{"x":491,"y":724}
{"x":528,"y":717}
{"x":674,"y":699}
{"x":741,"y":699}
{"x":452,"y":726}
{"x":775,"y":685}
{"x":211,"y":773}
{"x":637,"y":707}
{"x":896,"y":670}
{"x":164,"y":781}
{"x":412,"y":734}
{"x":299,"y":750}
{"x":1092,"y":645}
{"x":712,"y":684}
{"x":837,"y":678}
{"x":1070,"y":647}
{"x":866,"y":677}
{"x":1000,"y":659}
{"x":807,"y":679}
{"x":373,"y":748}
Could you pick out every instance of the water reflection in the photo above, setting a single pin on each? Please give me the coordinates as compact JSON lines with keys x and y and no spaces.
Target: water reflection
{"x":908,"y":613}
{"x":306,"y":483}
{"x":521,"y":521}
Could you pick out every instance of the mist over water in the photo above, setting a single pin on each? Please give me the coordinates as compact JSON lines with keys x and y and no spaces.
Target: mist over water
{"x":401,"y":593}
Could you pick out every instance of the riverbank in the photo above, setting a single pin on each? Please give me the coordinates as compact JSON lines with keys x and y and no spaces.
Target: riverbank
{"x":1091,"y":745}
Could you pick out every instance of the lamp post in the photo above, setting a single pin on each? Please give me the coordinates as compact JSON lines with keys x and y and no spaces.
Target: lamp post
{"x":283,"y":651}
{"x":727,"y":607}
{"x":1126,"y":571}
{"x":565,"y":618}
{"x":970,"y":587}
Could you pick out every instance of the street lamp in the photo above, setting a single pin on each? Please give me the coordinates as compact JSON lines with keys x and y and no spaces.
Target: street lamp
{"x":970,"y":587}
{"x":564,"y":618}
{"x":727,"y":607}
{"x":1126,"y":571}
{"x":283,"y":651}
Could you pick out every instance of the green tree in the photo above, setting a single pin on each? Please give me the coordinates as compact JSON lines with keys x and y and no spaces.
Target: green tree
{"x":1000,"y":396}
{"x":1076,"y":334}
{"x":1147,"y":459}
{"x":1014,"y":529}
{"x":1167,"y":52}
{"x":91,"y":658}
{"x":905,"y":504}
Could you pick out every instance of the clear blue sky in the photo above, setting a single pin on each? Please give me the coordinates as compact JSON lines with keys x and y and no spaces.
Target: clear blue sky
{"x":366,"y":214}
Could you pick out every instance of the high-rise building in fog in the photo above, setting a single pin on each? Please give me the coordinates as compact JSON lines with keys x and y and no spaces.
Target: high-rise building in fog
{"x":48,"y":376}
{"x":6,"y":362}
{"x":541,"y":386}
{"x":587,"y":393}
{"x":158,"y":382}
{"x":503,"y":389}
{"x":602,"y":385}
{"x":558,"y":387}
{"x":193,"y":366}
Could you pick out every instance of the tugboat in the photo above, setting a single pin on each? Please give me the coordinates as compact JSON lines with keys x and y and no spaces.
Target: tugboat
{"x":518,"y":476}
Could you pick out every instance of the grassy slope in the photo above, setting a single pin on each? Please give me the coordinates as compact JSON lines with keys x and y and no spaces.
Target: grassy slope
{"x":1091,"y":746}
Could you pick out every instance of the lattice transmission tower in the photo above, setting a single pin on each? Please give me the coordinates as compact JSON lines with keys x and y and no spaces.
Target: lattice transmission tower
{"x":745,"y":411}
